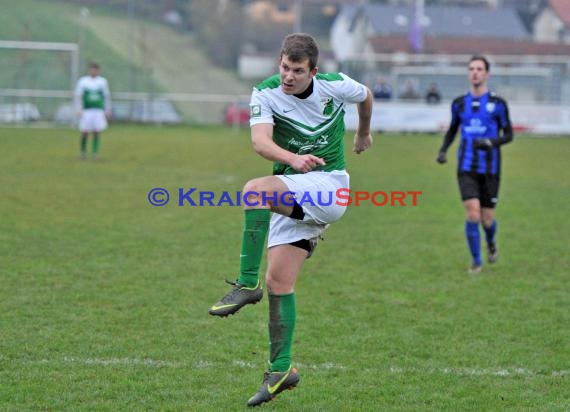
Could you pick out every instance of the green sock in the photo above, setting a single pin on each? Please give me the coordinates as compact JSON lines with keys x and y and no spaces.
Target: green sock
{"x":95,"y":143}
{"x":253,"y":245}
{"x":282,"y":314}
{"x":83,"y":144}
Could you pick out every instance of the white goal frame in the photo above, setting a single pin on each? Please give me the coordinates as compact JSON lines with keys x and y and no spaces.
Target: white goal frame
{"x":72,"y":48}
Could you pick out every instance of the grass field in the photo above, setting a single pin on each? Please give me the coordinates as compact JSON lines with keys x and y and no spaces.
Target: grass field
{"x":104,"y":298}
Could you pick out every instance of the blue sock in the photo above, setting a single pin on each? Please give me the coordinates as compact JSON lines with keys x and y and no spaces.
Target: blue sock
{"x":490,"y":232}
{"x":473,"y":240}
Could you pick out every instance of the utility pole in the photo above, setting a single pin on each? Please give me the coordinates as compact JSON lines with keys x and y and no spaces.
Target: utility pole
{"x":416,"y":31}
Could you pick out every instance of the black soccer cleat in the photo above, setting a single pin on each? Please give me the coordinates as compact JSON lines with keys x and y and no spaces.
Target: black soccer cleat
{"x":492,"y":253}
{"x":273,"y":384}
{"x":236,"y":298}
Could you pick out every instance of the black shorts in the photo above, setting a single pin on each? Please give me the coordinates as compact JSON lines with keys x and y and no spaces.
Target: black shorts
{"x":484,"y":187}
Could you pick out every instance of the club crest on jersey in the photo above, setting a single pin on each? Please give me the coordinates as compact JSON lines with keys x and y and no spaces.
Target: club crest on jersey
{"x":328,"y":106}
{"x":490,"y":107}
{"x":255,"y":111}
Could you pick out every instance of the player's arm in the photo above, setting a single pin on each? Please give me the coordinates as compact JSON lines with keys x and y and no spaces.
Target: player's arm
{"x":363,"y":137}
{"x":449,"y":136}
{"x":107,"y":94}
{"x":506,"y":137}
{"x":506,"y":126}
{"x":263,"y":144}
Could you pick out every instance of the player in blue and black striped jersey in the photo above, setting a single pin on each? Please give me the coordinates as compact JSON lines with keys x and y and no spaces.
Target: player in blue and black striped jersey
{"x":483,"y":118}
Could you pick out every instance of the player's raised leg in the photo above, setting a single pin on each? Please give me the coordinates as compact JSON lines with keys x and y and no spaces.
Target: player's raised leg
{"x":260,"y":196}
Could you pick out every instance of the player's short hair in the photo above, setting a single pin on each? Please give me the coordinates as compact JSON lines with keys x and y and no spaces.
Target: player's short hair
{"x":482,"y":58}
{"x":301,"y":46}
{"x":93,"y":65}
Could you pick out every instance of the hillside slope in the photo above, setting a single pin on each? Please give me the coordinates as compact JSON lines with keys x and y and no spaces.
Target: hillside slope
{"x":172,"y":58}
{"x":147,"y":57}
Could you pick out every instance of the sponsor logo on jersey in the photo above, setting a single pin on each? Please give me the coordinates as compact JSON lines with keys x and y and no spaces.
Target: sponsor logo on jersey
{"x":475,"y":126}
{"x":306,"y":146}
{"x":320,"y":142}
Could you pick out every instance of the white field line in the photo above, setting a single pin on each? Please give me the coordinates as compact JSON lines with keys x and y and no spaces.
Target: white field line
{"x":476,"y":371}
{"x":124,"y":361}
{"x":205,"y":364}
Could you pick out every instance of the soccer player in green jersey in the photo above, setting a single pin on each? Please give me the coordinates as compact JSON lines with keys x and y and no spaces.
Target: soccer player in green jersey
{"x":93,"y":107}
{"x":297,"y":122}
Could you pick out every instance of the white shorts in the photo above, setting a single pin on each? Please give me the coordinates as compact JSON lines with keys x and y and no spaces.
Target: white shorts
{"x":321,"y":187}
{"x":92,"y":120}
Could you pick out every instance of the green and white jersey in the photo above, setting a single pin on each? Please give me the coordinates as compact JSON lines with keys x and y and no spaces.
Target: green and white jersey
{"x":92,"y":93}
{"x":314,"y":125}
